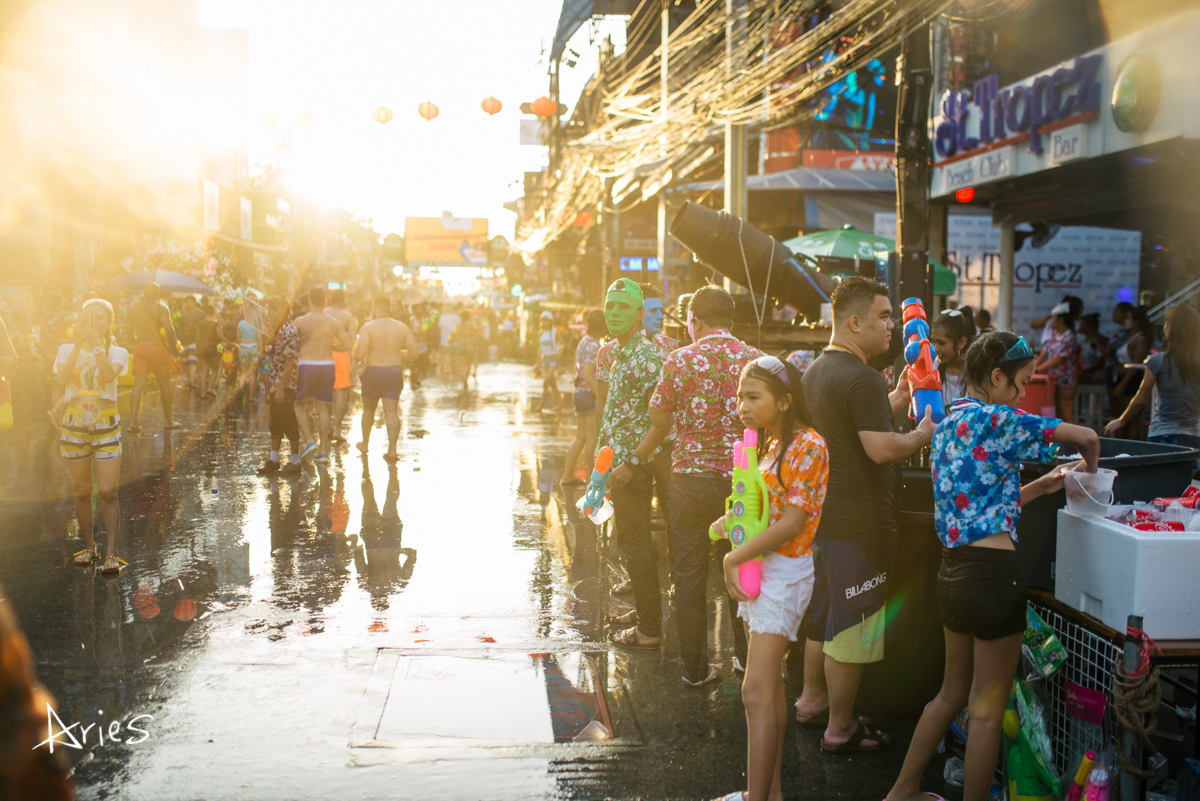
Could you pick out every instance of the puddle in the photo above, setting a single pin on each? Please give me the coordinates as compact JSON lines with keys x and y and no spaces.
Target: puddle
{"x":418,"y":699}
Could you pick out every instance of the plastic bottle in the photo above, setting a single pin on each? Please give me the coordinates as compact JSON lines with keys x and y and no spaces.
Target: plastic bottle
{"x":1081,"y":776}
{"x":1099,"y":784}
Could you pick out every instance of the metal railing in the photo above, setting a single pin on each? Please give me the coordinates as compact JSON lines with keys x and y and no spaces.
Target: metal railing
{"x":1187,"y":293}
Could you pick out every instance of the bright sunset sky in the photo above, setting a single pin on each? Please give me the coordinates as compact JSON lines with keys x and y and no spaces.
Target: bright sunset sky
{"x":341,"y":60}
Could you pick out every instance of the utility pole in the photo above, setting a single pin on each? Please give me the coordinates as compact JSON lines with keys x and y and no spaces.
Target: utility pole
{"x":664,"y":114}
{"x":914,"y":76}
{"x":736,"y":197}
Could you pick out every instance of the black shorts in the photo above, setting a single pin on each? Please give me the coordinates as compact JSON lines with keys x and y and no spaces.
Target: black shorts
{"x":385,"y":382}
{"x":585,"y":401}
{"x":981,"y":592}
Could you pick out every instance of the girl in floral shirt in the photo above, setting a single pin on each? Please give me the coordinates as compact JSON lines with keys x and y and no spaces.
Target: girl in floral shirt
{"x":977,"y":455}
{"x":795,"y":465}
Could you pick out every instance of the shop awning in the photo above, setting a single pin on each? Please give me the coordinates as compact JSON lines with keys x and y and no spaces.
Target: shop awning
{"x":809,"y":179}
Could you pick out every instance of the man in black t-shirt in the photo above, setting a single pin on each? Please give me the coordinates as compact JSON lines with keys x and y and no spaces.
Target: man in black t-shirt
{"x":852,"y":410}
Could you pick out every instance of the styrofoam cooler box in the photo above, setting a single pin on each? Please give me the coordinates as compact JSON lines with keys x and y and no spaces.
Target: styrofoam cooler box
{"x":1110,"y":571}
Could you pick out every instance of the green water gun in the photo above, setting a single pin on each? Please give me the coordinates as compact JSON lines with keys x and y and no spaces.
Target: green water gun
{"x":1030,"y":777}
{"x":751,"y":509}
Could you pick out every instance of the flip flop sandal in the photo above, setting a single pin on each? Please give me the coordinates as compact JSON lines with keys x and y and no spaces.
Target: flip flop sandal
{"x":714,"y":673}
{"x":110,"y":571}
{"x":817,"y":721}
{"x":628,"y":639}
{"x":134,"y":429}
{"x":624,"y":588}
{"x":855,"y":744}
{"x":821,"y":720}
{"x":738,"y":796}
{"x":88,"y":563}
{"x":620,"y":620}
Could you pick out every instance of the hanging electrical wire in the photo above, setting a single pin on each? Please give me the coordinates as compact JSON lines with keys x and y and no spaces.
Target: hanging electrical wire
{"x":715,"y":79}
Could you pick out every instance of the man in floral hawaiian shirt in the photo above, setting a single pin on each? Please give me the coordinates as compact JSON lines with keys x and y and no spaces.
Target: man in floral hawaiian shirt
{"x":698,"y":396}
{"x":281,"y":387}
{"x":627,"y":369}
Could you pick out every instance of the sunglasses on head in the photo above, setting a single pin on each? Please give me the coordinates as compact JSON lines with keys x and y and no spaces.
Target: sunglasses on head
{"x":773,"y":365}
{"x":952,"y":312}
{"x":1019,"y":350}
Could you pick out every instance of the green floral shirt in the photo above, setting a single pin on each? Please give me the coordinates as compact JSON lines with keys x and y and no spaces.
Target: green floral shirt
{"x":631,"y":373}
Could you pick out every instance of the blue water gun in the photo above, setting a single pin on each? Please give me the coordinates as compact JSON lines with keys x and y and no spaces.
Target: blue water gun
{"x":595,"y":504}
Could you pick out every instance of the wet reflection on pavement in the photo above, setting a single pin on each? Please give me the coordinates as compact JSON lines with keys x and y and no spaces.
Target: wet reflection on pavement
{"x":286,"y":641}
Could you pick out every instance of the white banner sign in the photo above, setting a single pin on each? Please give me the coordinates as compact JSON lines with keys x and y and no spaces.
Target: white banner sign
{"x":1099,"y":265}
{"x":256,"y":315}
{"x":976,"y":170}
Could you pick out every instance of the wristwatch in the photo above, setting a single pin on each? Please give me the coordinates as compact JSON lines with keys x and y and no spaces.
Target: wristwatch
{"x":633,"y":460}
{"x":96,"y":351}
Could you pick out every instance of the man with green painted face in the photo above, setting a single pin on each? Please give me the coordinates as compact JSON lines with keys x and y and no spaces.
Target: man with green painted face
{"x":627,"y":370}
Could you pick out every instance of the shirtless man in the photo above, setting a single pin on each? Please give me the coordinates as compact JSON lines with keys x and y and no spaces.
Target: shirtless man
{"x":384,"y":345}
{"x":342,"y":364}
{"x":315,"y":371}
{"x":146,"y":319}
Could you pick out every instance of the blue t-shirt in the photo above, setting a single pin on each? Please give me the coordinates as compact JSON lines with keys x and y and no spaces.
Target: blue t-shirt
{"x":977,"y":454}
{"x":248,"y":332}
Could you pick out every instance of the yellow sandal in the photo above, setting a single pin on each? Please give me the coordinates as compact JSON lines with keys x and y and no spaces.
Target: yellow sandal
{"x":111,"y":570}
{"x":78,"y":563}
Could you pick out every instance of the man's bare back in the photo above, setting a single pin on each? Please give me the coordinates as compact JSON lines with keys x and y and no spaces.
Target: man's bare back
{"x":349,"y":324}
{"x":145,"y":319}
{"x":318,"y":332}
{"x":385,"y":342}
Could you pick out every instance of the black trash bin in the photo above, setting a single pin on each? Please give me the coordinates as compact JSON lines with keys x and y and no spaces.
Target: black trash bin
{"x":1145,"y":471}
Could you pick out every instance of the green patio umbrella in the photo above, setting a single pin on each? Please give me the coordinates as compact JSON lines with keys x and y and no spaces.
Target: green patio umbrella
{"x":847,"y":242}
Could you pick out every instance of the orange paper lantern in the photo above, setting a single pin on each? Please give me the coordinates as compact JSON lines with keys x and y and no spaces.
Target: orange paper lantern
{"x":491,"y":105}
{"x":427,"y":110}
{"x":544,"y":107}
{"x":185,"y":609}
{"x":308,"y":120}
{"x":382,"y":115}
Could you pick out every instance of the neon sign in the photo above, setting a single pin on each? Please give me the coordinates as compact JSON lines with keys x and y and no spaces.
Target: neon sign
{"x":1019,"y":109}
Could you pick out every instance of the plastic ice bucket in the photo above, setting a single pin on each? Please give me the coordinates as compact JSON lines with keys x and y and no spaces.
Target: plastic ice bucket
{"x":1089,"y":494}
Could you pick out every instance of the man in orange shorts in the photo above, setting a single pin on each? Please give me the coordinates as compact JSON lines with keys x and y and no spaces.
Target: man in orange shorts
{"x":148,"y":324}
{"x":342,"y":363}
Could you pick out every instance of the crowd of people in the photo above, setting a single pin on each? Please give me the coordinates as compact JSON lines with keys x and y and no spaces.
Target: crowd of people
{"x":828,"y":452}
{"x":673,"y":414}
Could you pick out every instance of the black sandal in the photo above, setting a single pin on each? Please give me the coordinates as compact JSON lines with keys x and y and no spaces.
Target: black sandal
{"x":628,"y":639}
{"x":855,"y":744}
{"x":618,"y":620}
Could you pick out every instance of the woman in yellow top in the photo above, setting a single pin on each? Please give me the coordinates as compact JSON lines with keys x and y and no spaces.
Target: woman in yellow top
{"x":91,"y":428}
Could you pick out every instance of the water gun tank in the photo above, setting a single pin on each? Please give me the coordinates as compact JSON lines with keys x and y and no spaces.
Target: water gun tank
{"x":773,"y":269}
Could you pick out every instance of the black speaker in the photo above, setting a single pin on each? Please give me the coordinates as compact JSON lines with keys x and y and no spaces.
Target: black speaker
{"x":758,"y":262}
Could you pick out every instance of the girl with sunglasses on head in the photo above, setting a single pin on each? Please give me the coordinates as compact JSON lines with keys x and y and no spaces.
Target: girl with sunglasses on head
{"x":950,"y":336}
{"x":795,"y":466}
{"x":977,"y":455}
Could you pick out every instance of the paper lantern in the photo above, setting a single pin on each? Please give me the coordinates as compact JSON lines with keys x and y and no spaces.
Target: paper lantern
{"x":382,"y":115}
{"x":545,"y":107}
{"x":185,"y":609}
{"x":308,"y":120}
{"x":491,"y":105}
{"x":266,"y":121}
{"x":427,"y":110}
{"x":145,"y":603}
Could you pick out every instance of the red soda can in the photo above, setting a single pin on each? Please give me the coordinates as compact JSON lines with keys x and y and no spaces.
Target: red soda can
{"x":1144,"y":515}
{"x":1173,"y":525}
{"x":1187,"y":502}
{"x":1191,"y":492}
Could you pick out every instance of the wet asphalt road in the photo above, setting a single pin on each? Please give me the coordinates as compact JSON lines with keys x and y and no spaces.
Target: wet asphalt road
{"x":429,"y":629}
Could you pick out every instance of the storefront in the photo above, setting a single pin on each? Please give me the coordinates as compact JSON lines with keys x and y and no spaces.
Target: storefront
{"x":1101,"y":154}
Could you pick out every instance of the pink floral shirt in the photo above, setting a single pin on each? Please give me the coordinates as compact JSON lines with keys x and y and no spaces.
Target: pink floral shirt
{"x":805,"y":479}
{"x":699,"y":386}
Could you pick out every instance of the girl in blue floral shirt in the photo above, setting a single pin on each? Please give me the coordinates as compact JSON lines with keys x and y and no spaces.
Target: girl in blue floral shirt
{"x":977,"y":455}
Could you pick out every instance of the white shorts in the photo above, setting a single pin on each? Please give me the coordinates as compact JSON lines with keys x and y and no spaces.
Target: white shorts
{"x":787,"y":587}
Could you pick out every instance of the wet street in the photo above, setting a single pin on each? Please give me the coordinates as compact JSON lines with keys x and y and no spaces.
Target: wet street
{"x":430,"y":629}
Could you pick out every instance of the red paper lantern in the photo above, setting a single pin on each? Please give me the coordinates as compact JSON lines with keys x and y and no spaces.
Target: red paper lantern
{"x":427,"y":110}
{"x":382,"y":115}
{"x":491,"y":105}
{"x":544,"y":107}
{"x":965,"y":195}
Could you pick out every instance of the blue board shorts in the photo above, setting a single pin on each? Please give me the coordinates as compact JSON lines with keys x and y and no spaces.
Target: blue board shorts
{"x":314,"y":381}
{"x":585,"y":401}
{"x":382,"y":382}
